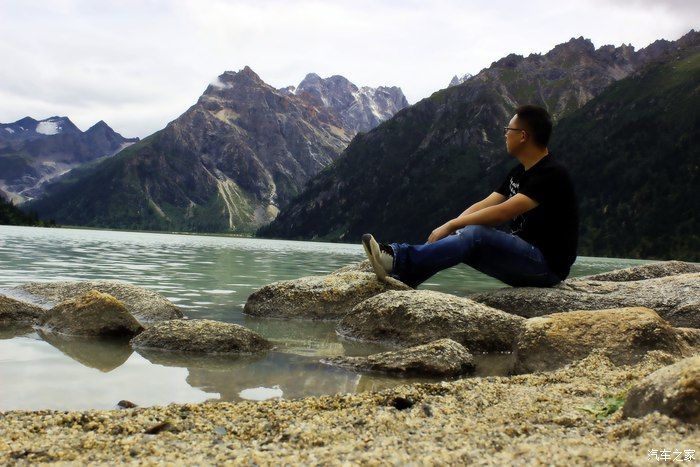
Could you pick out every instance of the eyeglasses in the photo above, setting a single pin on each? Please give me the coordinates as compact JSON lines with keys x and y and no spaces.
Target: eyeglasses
{"x":506,"y":128}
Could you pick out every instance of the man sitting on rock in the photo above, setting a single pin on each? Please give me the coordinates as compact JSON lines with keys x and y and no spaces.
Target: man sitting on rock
{"x":537,"y":196}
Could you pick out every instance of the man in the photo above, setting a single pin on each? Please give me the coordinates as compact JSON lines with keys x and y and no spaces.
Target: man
{"x":537,"y":196}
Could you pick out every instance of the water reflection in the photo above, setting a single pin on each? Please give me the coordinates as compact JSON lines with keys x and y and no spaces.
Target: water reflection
{"x":103,"y":354}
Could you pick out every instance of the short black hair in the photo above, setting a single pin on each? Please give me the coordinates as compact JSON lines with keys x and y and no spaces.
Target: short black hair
{"x":537,"y":120}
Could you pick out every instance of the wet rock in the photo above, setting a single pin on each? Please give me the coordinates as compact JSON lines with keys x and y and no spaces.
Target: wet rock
{"x":625,"y":335}
{"x":673,"y":390}
{"x":13,"y":311}
{"x":201,"y":336}
{"x":319,"y":297}
{"x":645,"y":271}
{"x":419,"y":316}
{"x":94,"y":314}
{"x":443,"y":357}
{"x":145,"y":305}
{"x":675,"y":298}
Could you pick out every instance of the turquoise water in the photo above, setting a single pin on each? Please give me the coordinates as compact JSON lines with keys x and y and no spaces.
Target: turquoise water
{"x":208,"y":277}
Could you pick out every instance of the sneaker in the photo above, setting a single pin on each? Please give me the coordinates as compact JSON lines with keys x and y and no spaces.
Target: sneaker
{"x":381,"y":261}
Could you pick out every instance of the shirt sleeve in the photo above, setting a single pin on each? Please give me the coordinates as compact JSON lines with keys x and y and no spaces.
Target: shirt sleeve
{"x":544,"y":186}
{"x":504,"y":188}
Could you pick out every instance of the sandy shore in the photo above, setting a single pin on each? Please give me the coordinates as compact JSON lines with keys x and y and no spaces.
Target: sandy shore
{"x":519,"y":420}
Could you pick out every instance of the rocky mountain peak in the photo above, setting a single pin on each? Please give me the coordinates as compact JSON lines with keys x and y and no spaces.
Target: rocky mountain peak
{"x":456,"y":80}
{"x":244,"y":78}
{"x":359,"y":109}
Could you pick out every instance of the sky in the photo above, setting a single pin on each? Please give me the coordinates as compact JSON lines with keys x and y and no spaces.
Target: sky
{"x":138,"y":64}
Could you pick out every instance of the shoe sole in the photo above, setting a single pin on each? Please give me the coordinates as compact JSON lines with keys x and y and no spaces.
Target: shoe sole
{"x":372,"y":253}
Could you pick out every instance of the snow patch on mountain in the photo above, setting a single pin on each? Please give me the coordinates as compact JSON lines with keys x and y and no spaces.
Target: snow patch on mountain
{"x":48,"y":127}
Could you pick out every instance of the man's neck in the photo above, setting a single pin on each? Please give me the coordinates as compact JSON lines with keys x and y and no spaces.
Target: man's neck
{"x":531,"y":157}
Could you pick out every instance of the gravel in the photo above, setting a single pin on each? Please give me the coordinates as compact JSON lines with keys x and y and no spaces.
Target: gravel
{"x":515,"y":420}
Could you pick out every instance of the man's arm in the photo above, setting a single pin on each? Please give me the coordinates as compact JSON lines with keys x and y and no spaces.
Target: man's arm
{"x":492,"y":215}
{"x":491,"y":200}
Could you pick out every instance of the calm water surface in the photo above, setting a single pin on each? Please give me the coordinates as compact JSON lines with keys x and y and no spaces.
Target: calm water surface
{"x":208,"y":277}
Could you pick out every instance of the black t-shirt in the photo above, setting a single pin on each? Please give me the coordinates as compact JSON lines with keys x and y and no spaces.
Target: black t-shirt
{"x":553,"y":225}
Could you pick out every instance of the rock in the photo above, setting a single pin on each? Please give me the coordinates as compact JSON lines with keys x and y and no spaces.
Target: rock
{"x":673,"y":390}
{"x":201,"y":336}
{"x":94,"y":314}
{"x":318,"y":297}
{"x":145,"y":305}
{"x":645,"y":271}
{"x":413,"y":317}
{"x":14,"y":311}
{"x":624,"y":334}
{"x":675,"y":298}
{"x":443,"y":357}
{"x":691,"y":336}
{"x":125,"y":404}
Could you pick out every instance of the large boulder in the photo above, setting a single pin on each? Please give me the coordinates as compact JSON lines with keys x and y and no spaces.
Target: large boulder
{"x":624,"y":334}
{"x":673,"y":390}
{"x":145,"y":305}
{"x":13,"y":311}
{"x":675,"y":298}
{"x":443,"y":358}
{"x":645,"y":271}
{"x":201,"y":336}
{"x":93,"y":314}
{"x":419,"y":316}
{"x":326,"y":297}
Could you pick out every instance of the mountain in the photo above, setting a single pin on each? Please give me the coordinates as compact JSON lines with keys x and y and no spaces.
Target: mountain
{"x":242,"y":151}
{"x":33,"y":152}
{"x":359,"y":109}
{"x":456,"y":80}
{"x":633,"y":152}
{"x":12,"y":215}
{"x":433,"y":159}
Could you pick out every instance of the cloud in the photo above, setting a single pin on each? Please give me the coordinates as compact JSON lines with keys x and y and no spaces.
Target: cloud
{"x":140,"y":64}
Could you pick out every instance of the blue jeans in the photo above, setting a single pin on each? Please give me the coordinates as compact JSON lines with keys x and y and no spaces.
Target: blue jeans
{"x":504,"y":256}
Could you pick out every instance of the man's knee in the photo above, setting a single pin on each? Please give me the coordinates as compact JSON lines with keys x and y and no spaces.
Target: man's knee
{"x":473,"y":231}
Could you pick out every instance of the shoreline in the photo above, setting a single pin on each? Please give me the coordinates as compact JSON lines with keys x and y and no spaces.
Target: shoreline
{"x":523,"y":419}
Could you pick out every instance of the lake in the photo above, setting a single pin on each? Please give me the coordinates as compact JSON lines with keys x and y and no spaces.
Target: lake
{"x":207,"y":277}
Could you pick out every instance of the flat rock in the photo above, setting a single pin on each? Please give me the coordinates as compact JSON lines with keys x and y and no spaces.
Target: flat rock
{"x":675,"y":298}
{"x":326,"y":297}
{"x":201,"y":336}
{"x":645,"y":271}
{"x":624,"y":334}
{"x":13,"y":311}
{"x":93,"y":314}
{"x":413,"y":317}
{"x":673,"y":390}
{"x":145,"y":305}
{"x":443,"y":357}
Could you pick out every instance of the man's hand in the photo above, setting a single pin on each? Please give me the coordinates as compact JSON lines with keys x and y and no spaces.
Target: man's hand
{"x":443,"y":231}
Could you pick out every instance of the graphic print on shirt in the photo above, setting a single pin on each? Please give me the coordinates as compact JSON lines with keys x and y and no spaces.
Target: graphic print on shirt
{"x":519,"y":221}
